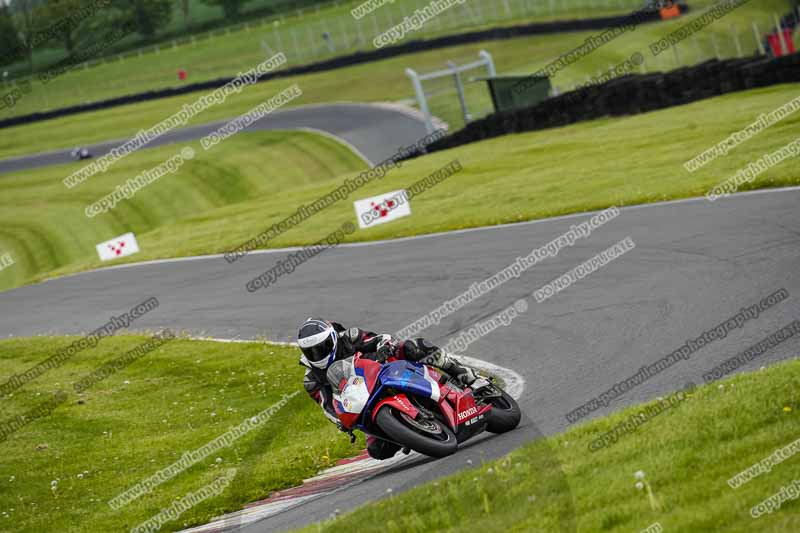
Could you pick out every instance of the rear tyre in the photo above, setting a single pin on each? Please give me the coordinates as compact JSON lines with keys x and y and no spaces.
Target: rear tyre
{"x":428,"y":437}
{"x":505,"y":414}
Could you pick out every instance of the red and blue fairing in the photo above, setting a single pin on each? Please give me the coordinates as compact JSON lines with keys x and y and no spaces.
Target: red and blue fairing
{"x":366,"y":386}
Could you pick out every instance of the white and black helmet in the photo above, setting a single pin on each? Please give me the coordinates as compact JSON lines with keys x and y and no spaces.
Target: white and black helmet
{"x":318,"y":341}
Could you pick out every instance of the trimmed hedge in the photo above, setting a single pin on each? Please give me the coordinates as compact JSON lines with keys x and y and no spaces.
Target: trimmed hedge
{"x":632,"y":94}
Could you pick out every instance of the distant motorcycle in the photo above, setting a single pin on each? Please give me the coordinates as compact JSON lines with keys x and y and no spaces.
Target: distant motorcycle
{"x":80,"y":153}
{"x":416,"y":406}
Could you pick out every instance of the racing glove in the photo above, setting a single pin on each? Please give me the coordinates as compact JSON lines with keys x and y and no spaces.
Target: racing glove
{"x":386,"y":348}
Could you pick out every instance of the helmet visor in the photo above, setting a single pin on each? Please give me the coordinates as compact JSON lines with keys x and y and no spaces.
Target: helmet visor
{"x":320,"y":351}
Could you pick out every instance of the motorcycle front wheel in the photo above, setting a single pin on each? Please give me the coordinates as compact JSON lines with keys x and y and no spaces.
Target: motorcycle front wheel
{"x":505,"y":414}
{"x":426,"y":436}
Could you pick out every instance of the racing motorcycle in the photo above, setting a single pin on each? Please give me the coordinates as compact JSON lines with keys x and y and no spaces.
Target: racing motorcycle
{"x":416,"y":406}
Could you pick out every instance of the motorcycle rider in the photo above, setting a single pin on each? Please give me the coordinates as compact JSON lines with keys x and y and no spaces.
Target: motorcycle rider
{"x":323,"y":342}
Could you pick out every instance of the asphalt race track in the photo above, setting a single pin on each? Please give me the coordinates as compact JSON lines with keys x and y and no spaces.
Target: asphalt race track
{"x":695,"y":265}
{"x":376,"y":131}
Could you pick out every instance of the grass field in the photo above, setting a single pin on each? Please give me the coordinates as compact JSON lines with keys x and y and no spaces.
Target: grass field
{"x":687,"y":454}
{"x":224,"y":52}
{"x":142,"y":419}
{"x":300,"y":30}
{"x":388,"y":82}
{"x":227,"y":196}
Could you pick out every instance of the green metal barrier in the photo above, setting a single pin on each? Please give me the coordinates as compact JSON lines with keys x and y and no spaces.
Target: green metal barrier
{"x":504,"y":98}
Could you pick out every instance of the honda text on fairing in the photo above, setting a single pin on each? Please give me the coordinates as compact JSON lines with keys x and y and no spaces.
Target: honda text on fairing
{"x":415,"y":406}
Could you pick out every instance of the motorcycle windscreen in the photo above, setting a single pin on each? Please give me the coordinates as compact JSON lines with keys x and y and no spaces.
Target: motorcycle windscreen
{"x":350,"y":390}
{"x":339,"y":372}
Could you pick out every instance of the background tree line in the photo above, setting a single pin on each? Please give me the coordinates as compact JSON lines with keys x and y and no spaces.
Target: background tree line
{"x":27,"y":26}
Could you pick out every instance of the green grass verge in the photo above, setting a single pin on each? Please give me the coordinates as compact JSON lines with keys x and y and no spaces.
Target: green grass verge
{"x":229,"y":195}
{"x":45,"y":229}
{"x":387,"y":80}
{"x":687,"y":453}
{"x":142,"y":419}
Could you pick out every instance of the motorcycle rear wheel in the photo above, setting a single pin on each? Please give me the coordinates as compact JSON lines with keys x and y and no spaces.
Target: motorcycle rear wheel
{"x":427,"y":436}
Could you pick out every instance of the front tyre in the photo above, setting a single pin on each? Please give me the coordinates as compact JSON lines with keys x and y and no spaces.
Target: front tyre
{"x":426,"y":436}
{"x":505,"y":414}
